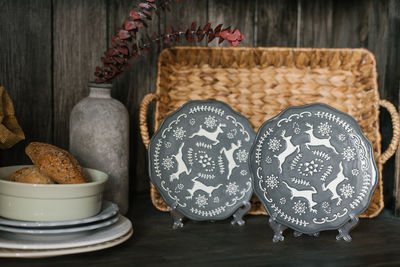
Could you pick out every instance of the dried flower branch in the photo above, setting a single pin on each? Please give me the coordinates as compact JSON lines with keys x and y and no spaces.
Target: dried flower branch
{"x":124,"y":45}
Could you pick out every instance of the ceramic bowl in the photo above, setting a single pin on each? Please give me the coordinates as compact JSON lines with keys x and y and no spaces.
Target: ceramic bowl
{"x":54,"y":202}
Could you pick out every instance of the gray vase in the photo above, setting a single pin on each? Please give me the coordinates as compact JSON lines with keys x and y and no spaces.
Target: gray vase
{"x":99,"y":139}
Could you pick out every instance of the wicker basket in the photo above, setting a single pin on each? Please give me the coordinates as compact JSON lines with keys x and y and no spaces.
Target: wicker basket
{"x":261,"y":82}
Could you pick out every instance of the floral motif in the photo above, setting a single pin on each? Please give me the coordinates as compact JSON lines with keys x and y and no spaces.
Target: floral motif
{"x":168,"y":163}
{"x":297,"y":130}
{"x":210,"y":122}
{"x":216,"y":200}
{"x":342,"y":137}
{"x":272,"y":181}
{"x":347,"y":190}
{"x":268,"y":160}
{"x":309,"y":168}
{"x":180,"y":186}
{"x":355,"y":172}
{"x":192,"y":121}
{"x":168,"y":144}
{"x":232,"y":188}
{"x":231,"y":134}
{"x":274,"y":144}
{"x":299,"y":207}
{"x":243,"y":172}
{"x":324,"y":128}
{"x":348,"y":153}
{"x":179,"y":133}
{"x":242,"y":155}
{"x":201,"y":201}
{"x":205,"y":160}
{"x":282,"y":200}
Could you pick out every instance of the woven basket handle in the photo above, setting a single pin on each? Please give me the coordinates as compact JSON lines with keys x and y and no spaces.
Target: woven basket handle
{"x":396,"y":131}
{"x":144,"y":129}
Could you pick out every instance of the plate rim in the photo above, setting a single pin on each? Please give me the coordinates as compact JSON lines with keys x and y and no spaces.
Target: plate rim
{"x":124,"y":223}
{"x":42,"y":253}
{"x":361,"y":134}
{"x":56,"y":224}
{"x":178,"y":208}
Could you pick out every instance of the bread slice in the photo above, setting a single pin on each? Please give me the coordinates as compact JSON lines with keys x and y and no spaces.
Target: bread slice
{"x":30,"y":175}
{"x":56,"y":163}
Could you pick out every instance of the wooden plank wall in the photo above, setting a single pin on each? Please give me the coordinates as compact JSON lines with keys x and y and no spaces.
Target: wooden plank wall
{"x":49,"y":48}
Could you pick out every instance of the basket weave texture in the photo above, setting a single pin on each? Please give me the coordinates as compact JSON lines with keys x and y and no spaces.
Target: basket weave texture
{"x":261,"y":82}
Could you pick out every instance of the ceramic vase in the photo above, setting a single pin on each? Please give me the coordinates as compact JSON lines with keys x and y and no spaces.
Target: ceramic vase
{"x":99,"y":139}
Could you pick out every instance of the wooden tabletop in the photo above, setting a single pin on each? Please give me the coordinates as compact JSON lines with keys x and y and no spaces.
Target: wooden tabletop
{"x":375,"y":242}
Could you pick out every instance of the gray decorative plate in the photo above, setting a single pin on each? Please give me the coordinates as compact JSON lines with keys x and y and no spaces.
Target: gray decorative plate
{"x":312,"y":168}
{"x":108,"y":210}
{"x":198,"y":160}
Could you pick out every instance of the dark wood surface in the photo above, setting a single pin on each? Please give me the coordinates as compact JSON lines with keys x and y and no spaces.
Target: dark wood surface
{"x":49,"y":48}
{"x":376,"y":242}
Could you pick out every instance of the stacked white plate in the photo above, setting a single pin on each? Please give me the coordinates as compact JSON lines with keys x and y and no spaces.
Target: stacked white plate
{"x":44,"y":239}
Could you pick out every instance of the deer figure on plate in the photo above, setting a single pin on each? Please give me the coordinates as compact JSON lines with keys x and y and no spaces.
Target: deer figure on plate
{"x":333,"y":185}
{"x":307,"y":194}
{"x":229,"y":156}
{"x":200,"y":186}
{"x":290,"y":148}
{"x":212,"y":136}
{"x":315,"y":141}
{"x":182,"y":168}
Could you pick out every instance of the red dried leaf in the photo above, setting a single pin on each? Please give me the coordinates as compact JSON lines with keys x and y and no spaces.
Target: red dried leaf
{"x":200,"y":36}
{"x":99,"y":80}
{"x":123,"y":50}
{"x":217,"y":29}
{"x":193,"y":26}
{"x":112,"y":52}
{"x":220,"y":40}
{"x":150,"y":1}
{"x":123,"y":34}
{"x":147,"y":14}
{"x":120,"y":60}
{"x":139,"y":23}
{"x":129,"y":25}
{"x":153,"y":6}
{"x":207,"y":27}
{"x":136,"y":15}
{"x":144,"y":5}
{"x":211,"y":37}
{"x":235,"y":43}
{"x":108,"y":60}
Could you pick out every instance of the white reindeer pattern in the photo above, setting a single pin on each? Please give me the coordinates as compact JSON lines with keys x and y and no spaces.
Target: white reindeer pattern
{"x":200,"y":186}
{"x":229,"y":156}
{"x":290,"y":148}
{"x":182,"y":168}
{"x":315,"y":141}
{"x":307,"y":194}
{"x":213,"y":136}
{"x":332,"y":186}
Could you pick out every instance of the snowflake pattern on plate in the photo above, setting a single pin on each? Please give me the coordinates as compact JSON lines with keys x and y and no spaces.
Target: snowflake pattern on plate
{"x":210,"y":122}
{"x":272,"y":181}
{"x":274,"y":144}
{"x":347,"y":190}
{"x":168,"y":144}
{"x":194,"y":164}
{"x":232,"y":188}
{"x":168,"y":163}
{"x":324,"y":128}
{"x":242,"y":155}
{"x":201,"y":201}
{"x":349,"y":153}
{"x":179,"y":133}
{"x":312,"y":169}
{"x":299,"y":207}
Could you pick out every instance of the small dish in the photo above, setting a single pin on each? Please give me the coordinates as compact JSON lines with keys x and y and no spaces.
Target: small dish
{"x":108,"y":210}
{"x":60,"y":231}
{"x":50,"y":202}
